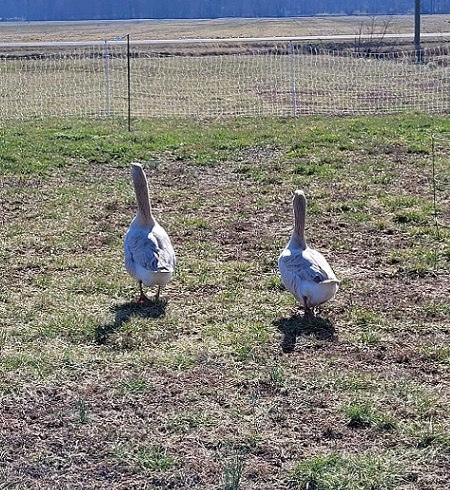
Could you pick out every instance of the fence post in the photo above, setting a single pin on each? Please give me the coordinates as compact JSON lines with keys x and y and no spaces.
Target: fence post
{"x":292,"y":71}
{"x":129,"y":81}
{"x":107,"y":95}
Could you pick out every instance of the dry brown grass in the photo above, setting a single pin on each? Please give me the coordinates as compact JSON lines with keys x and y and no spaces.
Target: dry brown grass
{"x":219,"y":28}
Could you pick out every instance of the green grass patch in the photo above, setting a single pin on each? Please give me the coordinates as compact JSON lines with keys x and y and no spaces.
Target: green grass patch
{"x":362,"y":414}
{"x":367,"y":471}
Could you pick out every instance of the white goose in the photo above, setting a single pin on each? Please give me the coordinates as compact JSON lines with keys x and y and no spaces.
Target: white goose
{"x":149,"y":255}
{"x":304,"y":271}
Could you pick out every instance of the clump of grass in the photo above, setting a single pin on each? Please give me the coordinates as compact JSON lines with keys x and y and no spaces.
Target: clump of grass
{"x":369,"y":338}
{"x":365,"y":317}
{"x":82,"y":410}
{"x":134,"y":385}
{"x":350,"y":381}
{"x":415,"y":217}
{"x":367,"y":471}
{"x":359,"y":414}
{"x":193,"y":222}
{"x":186,"y":421}
{"x":154,"y":459}
{"x":429,"y":434}
{"x":233,"y":468}
{"x":435,"y":309}
{"x":417,"y":261}
{"x":423,"y":401}
{"x":362,"y":414}
{"x":151,"y":458}
{"x":274,"y":283}
{"x":277,"y":376}
{"x":438,"y":353}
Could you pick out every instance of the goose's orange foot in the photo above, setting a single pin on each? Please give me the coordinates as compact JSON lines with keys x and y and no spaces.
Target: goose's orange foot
{"x":143,"y":299}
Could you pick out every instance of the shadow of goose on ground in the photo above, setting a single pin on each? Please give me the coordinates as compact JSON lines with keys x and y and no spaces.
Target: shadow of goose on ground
{"x":123,"y":314}
{"x":297,"y":326}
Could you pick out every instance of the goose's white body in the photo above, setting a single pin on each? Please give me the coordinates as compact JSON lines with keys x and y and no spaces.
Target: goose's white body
{"x":307,"y":275}
{"x":149,"y":255}
{"x":304,"y":271}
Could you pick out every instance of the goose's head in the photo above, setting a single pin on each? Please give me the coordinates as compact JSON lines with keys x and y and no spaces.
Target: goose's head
{"x":299,"y":202}
{"x":136,"y":169}
{"x":138,"y":177}
{"x":299,"y":196}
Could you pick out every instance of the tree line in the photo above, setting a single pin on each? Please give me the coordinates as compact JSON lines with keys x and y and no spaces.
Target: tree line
{"x":33,"y":10}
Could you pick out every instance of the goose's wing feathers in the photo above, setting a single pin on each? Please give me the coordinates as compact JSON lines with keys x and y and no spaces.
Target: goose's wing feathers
{"x":319,"y":267}
{"x":165,"y":254}
{"x":308,"y":265}
{"x":153,"y":250}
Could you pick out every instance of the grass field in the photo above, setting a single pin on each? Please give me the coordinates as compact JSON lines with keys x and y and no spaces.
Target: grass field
{"x":222,"y":385}
{"x":218,"y":28}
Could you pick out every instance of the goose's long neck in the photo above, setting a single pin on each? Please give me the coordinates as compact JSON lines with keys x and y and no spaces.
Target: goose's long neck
{"x":299,"y":206}
{"x":142,"y":197}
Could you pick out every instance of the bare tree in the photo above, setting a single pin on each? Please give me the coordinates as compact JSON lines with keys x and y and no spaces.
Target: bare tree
{"x":371,"y":36}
